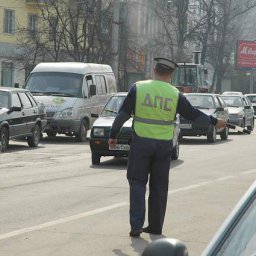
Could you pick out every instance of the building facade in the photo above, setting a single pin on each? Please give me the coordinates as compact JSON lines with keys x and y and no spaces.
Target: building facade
{"x":15,"y":16}
{"x":142,"y":36}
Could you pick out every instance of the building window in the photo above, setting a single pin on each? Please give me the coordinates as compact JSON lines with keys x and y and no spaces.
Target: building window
{"x":9,"y":21}
{"x":32,"y":24}
{"x":7,"y":74}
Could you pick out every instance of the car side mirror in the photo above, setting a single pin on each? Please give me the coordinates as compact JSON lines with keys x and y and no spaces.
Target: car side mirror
{"x":92,"y":90}
{"x":94,"y":115}
{"x":219,"y":109}
{"x":15,"y":109}
{"x":166,"y":246}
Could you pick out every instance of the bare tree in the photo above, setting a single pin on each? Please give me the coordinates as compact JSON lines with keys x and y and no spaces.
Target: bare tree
{"x":69,"y":31}
{"x":225,"y":34}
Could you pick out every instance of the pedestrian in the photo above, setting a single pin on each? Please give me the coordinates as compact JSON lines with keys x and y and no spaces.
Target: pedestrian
{"x":154,"y":104}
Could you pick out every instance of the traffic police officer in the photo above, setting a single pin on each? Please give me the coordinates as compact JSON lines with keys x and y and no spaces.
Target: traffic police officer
{"x":154,"y":104}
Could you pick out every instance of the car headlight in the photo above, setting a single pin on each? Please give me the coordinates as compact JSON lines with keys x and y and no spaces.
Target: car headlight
{"x":65,"y":114}
{"x":98,"y":132}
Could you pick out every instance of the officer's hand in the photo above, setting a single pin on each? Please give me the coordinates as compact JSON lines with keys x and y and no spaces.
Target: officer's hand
{"x":112,"y":143}
{"x":221,"y":124}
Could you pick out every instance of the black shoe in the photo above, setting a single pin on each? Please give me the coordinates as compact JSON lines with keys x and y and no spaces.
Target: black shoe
{"x":148,"y":230}
{"x":135,"y":233}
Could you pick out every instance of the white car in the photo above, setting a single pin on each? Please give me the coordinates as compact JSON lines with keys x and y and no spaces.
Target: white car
{"x":101,"y":128}
{"x":232,"y":93}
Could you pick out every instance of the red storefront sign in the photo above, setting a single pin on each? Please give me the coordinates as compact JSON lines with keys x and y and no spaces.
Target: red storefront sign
{"x":246,"y":55}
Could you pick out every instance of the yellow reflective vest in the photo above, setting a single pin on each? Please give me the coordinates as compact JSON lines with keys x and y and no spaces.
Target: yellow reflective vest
{"x":155,"y":109}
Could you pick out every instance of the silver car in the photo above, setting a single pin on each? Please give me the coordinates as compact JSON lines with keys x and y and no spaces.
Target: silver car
{"x":240,"y":109}
{"x":252,"y":99}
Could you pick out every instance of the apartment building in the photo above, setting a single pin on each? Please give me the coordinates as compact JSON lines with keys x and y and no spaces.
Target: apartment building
{"x":15,"y":15}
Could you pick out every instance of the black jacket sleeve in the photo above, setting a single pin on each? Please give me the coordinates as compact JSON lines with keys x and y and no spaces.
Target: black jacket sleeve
{"x":125,"y":112}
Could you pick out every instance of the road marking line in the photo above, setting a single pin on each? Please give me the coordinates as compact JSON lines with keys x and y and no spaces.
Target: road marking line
{"x":226,"y":178}
{"x":249,"y":172}
{"x":62,"y":220}
{"x":104,"y":209}
{"x":190,"y":187}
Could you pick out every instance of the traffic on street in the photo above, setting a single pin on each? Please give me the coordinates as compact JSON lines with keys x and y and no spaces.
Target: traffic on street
{"x":54,"y":201}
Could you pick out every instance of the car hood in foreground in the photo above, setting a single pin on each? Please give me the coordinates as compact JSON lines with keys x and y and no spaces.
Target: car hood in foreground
{"x":103,"y":121}
{"x":230,"y":222}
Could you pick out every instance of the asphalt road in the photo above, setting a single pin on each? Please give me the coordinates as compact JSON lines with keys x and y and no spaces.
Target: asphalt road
{"x":53,"y":202}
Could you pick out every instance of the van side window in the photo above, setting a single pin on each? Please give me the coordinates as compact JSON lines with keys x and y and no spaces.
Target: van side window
{"x":88,"y":82}
{"x":101,"y":85}
{"x":111,"y":83}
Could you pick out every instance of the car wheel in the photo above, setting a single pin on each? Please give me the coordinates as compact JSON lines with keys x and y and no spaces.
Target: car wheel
{"x":176,"y":151}
{"x":211,"y":135}
{"x":224,"y":134}
{"x":251,"y":127}
{"x":33,"y":140}
{"x":82,"y":135}
{"x":95,"y":158}
{"x":4,"y":133}
{"x":51,"y":133}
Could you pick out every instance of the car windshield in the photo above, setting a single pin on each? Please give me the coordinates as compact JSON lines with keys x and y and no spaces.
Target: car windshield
{"x":233,"y":101}
{"x":4,"y":100}
{"x":252,"y":98}
{"x":113,"y":105}
{"x":242,"y":239}
{"x":55,"y":83}
{"x":201,"y":101}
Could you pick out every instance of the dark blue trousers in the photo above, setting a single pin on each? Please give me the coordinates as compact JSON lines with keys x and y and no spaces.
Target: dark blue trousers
{"x":149,"y":159}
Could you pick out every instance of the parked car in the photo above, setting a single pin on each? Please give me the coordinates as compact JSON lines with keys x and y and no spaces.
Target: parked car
{"x":101,"y":128}
{"x":21,"y":116}
{"x":252,"y":99}
{"x":240,"y":109}
{"x":236,"y":236}
{"x":210,"y":104}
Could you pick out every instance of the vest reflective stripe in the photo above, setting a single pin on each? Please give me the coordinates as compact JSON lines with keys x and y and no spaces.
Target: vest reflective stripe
{"x":151,"y":121}
{"x":156,"y":104}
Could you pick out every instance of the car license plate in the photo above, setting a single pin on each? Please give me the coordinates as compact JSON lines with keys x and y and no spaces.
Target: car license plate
{"x":185,"y":126}
{"x":121,"y":147}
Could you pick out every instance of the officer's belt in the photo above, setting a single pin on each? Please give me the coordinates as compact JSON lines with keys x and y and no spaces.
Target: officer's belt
{"x":152,"y":121}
